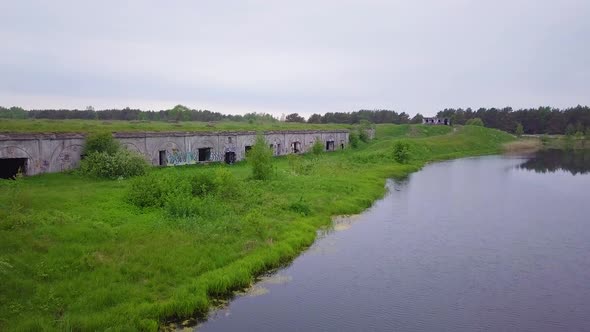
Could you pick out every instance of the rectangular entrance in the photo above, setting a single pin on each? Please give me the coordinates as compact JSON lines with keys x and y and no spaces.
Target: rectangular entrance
{"x":330,"y":146}
{"x":163,"y":159}
{"x":9,"y":167}
{"x":204,"y":154}
{"x":230,"y":157}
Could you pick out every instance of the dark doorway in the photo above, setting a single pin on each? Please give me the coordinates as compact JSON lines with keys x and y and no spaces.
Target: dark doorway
{"x":204,"y":154}
{"x":330,"y":146}
{"x":230,"y":157}
{"x":341,"y":146}
{"x":247,"y":149}
{"x":296,"y":147}
{"x":446,"y":122}
{"x":163,"y":159}
{"x":9,"y":167}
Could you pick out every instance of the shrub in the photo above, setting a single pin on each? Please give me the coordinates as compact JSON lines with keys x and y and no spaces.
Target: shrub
{"x":100,"y":142}
{"x":300,"y":165}
{"x":260,"y":157}
{"x":300,"y":207}
{"x":226,"y":183}
{"x":146,"y":191}
{"x":363,"y":136}
{"x":353,"y":139}
{"x":475,"y":122}
{"x":401,"y":152}
{"x":317,"y":148}
{"x":202,"y":184}
{"x":570,"y":130}
{"x":122,"y":163}
{"x":180,"y":206}
{"x":519,"y":130}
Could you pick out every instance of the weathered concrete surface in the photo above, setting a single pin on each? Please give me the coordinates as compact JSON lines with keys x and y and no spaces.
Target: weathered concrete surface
{"x":46,"y":153}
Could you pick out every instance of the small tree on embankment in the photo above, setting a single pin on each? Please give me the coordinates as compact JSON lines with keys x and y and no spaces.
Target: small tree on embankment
{"x":260,"y":157}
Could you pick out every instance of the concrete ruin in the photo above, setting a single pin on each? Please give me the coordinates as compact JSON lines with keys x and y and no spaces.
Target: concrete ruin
{"x":36,"y":153}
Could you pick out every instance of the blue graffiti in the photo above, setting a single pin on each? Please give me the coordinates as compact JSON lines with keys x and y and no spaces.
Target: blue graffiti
{"x":178,"y":158}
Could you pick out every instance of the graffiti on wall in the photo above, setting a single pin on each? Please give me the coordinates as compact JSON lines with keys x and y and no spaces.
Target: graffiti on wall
{"x":179,"y":158}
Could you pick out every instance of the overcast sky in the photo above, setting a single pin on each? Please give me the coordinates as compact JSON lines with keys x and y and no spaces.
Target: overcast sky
{"x":295,"y":56}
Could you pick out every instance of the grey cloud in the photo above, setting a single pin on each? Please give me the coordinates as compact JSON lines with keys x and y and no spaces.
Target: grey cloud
{"x":304,"y":56}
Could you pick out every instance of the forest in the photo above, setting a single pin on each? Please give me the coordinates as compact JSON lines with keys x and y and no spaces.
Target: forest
{"x":541,"y":120}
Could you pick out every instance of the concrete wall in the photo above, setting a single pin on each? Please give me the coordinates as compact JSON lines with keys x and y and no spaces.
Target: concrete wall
{"x":47,"y":153}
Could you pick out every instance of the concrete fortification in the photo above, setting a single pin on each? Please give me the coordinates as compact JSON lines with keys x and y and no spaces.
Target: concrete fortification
{"x":37,"y":153}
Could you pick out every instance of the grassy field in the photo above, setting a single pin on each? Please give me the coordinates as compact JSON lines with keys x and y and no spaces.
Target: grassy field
{"x":79,"y":254}
{"x":61,"y":126}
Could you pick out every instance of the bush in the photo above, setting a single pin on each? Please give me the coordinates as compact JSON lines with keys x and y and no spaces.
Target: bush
{"x":100,"y":142}
{"x":401,"y":152}
{"x":353,"y":140}
{"x":475,"y":122}
{"x":202,"y":184}
{"x":122,"y":163}
{"x":226,"y":183}
{"x":301,"y":166}
{"x":260,"y":157}
{"x":363,"y":136}
{"x":317,"y":148}
{"x":570,"y":130}
{"x":146,"y":191}
{"x":179,"y":206}
{"x":300,"y":207}
{"x":519,"y":130}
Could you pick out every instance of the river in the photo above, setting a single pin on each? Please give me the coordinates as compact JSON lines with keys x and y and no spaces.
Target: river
{"x":479,"y":244}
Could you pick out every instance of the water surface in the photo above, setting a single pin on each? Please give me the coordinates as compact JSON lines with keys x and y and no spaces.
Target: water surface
{"x":479,"y":244}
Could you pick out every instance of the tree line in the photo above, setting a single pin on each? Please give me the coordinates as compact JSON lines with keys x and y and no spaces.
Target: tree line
{"x":178,"y":113}
{"x":542,"y":120}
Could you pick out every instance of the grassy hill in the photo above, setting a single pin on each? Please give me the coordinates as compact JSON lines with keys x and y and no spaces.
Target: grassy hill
{"x":78,"y":253}
{"x":61,"y":126}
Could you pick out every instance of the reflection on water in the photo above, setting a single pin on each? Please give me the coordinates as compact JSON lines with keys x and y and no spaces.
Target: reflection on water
{"x":575,"y":162}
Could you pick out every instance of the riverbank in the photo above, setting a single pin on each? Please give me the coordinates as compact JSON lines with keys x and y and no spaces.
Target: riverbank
{"x":78,"y":255}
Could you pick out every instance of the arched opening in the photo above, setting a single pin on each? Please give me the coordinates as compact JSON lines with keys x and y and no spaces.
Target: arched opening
{"x":10,"y":167}
{"x":296,"y":147}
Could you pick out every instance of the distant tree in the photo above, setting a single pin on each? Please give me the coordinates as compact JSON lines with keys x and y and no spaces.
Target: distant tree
{"x":417,"y":118}
{"x":519,"y":130}
{"x":474,"y":122}
{"x":315,"y":118}
{"x":294,"y":117}
{"x":570,"y":130}
{"x":404,"y":118}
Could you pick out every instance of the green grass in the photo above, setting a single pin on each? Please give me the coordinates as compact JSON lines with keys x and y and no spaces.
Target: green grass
{"x":77,"y":255}
{"x":61,"y":126}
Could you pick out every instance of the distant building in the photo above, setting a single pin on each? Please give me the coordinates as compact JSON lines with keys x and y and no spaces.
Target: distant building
{"x":436,"y":121}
